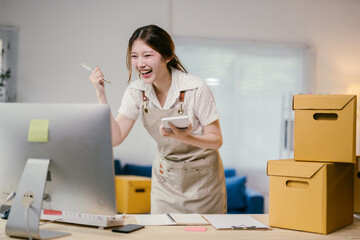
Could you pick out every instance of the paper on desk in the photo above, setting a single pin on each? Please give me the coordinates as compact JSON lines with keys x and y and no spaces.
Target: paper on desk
{"x":227,"y":221}
{"x":163,"y":219}
{"x":189,"y":219}
{"x":153,"y":219}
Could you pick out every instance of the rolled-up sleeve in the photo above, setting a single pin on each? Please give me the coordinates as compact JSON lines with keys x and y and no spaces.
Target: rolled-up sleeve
{"x":130,"y":104}
{"x":205,"y":107}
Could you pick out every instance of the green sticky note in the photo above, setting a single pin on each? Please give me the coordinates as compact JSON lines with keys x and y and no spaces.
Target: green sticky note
{"x":38,"y":130}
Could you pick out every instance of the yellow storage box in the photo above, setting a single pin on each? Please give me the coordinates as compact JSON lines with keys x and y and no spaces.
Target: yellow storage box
{"x":357,"y":185}
{"x":325,"y":128}
{"x":133,"y":194}
{"x":310,"y":196}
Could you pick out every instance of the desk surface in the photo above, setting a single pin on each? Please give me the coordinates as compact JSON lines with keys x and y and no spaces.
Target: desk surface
{"x":178,"y":232}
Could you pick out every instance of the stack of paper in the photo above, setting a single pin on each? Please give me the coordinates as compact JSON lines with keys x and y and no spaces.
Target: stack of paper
{"x":234,"y":221}
{"x":171,"y":219}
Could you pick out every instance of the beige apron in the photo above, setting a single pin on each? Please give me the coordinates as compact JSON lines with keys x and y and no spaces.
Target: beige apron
{"x":185,"y":178}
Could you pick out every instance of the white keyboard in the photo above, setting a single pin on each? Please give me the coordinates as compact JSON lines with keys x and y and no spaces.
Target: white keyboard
{"x":101,"y":221}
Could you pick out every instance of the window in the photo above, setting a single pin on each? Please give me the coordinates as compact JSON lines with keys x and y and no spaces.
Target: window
{"x":251,"y":82}
{"x":1,"y":52}
{"x":8,"y":63}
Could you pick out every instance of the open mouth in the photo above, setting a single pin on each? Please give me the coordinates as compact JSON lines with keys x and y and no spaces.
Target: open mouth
{"x":146,"y":73}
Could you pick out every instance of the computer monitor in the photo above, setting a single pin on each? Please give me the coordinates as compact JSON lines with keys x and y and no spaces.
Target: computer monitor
{"x":76,"y":138}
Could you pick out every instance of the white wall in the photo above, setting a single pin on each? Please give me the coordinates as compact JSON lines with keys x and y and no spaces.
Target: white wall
{"x":332,"y":27}
{"x":55,"y":36}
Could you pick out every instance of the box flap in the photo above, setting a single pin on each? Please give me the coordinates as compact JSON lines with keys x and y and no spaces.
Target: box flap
{"x":327,"y":102}
{"x":292,"y":168}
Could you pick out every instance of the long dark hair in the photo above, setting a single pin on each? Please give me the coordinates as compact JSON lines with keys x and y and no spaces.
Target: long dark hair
{"x":159,"y":40}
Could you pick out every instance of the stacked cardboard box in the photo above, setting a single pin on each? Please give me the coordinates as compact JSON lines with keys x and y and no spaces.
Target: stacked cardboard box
{"x":357,"y":186}
{"x":314,"y":192}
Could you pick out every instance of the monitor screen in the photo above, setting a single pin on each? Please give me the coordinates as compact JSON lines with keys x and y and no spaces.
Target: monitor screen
{"x":77,"y":140}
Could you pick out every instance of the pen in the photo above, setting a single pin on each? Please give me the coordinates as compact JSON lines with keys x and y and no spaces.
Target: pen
{"x":170,"y":217}
{"x":89,"y":68}
{"x":243,"y":227}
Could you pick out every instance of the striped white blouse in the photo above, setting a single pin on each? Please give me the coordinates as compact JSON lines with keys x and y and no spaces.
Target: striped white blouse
{"x":199,"y":101}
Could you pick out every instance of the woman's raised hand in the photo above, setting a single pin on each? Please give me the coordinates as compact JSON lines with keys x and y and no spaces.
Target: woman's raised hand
{"x":97,"y":79}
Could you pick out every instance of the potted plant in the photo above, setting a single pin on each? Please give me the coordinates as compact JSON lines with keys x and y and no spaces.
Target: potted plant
{"x":3,"y":81}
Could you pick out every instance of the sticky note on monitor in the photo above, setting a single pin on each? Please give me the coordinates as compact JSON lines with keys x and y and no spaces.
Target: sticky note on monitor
{"x":38,"y":130}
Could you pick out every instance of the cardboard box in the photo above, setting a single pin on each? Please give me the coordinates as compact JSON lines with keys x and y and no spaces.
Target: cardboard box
{"x":357,"y":185}
{"x":310,"y":196}
{"x":325,"y":128}
{"x":133,"y":194}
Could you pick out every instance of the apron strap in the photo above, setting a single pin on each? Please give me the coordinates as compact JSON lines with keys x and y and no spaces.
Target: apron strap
{"x":145,"y":102}
{"x":144,"y":97}
{"x":182,"y":96}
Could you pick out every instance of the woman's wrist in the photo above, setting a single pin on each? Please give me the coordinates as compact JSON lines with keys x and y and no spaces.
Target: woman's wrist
{"x":101,"y":98}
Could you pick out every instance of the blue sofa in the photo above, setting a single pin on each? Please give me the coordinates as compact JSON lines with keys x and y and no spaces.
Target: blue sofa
{"x":240,"y":199}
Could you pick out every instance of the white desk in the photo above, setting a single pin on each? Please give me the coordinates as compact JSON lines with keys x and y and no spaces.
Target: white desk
{"x":178,"y":232}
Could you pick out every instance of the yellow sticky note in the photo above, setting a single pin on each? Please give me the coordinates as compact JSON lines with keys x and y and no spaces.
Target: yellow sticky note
{"x":38,"y":130}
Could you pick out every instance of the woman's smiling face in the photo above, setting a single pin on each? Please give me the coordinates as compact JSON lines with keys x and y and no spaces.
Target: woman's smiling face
{"x":149,"y":63}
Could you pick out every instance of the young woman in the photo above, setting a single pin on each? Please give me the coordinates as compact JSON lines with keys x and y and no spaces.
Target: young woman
{"x":187,"y":173}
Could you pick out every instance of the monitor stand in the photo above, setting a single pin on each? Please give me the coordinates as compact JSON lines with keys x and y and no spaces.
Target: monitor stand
{"x":28,"y":203}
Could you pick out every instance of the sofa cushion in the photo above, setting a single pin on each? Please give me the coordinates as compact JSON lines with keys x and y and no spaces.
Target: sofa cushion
{"x":229,"y":172}
{"x":235,"y":187}
{"x":138,"y":170}
{"x":117,"y":167}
